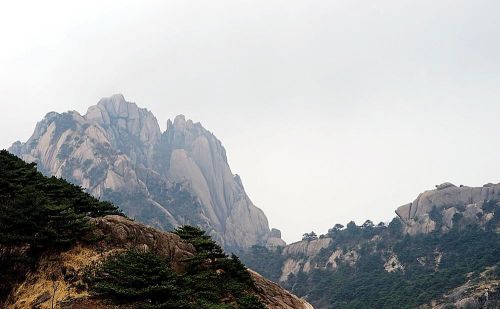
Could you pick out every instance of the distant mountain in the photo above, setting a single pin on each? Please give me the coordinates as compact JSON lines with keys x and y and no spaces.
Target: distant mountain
{"x":62,"y":248}
{"x":117,"y":152}
{"x":439,"y":209}
{"x":442,"y":251}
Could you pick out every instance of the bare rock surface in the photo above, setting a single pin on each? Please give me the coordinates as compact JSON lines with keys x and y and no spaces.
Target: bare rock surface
{"x":116,"y":151}
{"x":308,"y":248}
{"x":275,"y":297}
{"x":443,"y":203}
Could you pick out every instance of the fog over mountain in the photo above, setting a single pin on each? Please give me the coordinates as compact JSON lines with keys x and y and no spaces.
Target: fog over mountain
{"x":346,"y":110}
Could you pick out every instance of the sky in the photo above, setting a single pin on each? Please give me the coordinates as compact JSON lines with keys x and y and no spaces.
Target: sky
{"x":330,"y":111}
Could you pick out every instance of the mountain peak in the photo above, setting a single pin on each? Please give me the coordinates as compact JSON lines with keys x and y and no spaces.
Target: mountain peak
{"x":116,"y":98}
{"x":118,"y":107}
{"x":117,"y":150}
{"x":180,"y":123}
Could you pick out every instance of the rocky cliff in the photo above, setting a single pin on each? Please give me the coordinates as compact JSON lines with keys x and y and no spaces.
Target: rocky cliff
{"x":116,"y":151}
{"x":58,"y":276}
{"x":441,"y":207}
{"x":442,"y":251}
{"x":438,"y":210}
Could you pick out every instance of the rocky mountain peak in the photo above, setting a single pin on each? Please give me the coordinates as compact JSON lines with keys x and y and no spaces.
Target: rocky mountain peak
{"x":180,"y":122}
{"x":121,"y":116}
{"x":198,"y":158}
{"x":181,"y":176}
{"x":117,"y":107}
{"x":115,"y":102}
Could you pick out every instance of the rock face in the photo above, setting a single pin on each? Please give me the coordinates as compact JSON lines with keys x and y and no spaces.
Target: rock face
{"x":275,"y":296}
{"x":347,"y":265}
{"x":435,"y":209}
{"x":64,"y":270}
{"x":302,"y":256}
{"x":117,"y":152}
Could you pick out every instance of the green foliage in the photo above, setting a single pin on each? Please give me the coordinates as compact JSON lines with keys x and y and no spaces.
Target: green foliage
{"x":369,"y":285}
{"x":436,"y":216}
{"x":266,"y":262}
{"x":142,"y":279}
{"x":18,"y":177}
{"x":466,"y":249}
{"x":37,"y":214}
{"x":395,"y":226}
{"x":336,"y":228}
{"x":490,"y":205}
{"x":309,"y":236}
{"x":211,"y":264}
{"x":207,"y":249}
{"x":250,"y":302}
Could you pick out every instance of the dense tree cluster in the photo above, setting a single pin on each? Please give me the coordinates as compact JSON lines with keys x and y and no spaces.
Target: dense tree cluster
{"x":42,"y":212}
{"x":309,"y":236}
{"x":464,"y":253}
{"x":144,"y":280}
{"x":38,"y":213}
{"x":265,"y":261}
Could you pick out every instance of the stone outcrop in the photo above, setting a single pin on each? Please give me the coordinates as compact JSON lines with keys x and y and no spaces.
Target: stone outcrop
{"x":446,"y":201}
{"x":307,"y":248}
{"x":116,"y":151}
{"x":393,"y":264}
{"x":66,"y":269}
{"x":275,"y":297}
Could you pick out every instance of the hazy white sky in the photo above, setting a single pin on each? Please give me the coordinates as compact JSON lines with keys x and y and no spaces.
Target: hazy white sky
{"x":329,"y":110}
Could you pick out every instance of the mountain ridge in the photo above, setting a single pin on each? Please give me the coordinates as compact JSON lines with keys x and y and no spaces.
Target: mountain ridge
{"x":441,"y":251}
{"x":117,"y":151}
{"x":62,"y":248}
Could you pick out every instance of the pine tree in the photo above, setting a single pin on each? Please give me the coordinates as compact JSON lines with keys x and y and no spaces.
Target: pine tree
{"x":135,"y":276}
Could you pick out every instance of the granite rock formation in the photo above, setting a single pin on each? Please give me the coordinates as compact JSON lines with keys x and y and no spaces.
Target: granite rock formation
{"x":435,"y":209}
{"x":116,"y":151}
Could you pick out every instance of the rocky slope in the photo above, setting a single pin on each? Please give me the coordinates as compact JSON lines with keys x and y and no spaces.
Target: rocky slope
{"x":116,"y":151}
{"x":58,"y":276}
{"x":439,"y":248}
{"x":62,"y":248}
